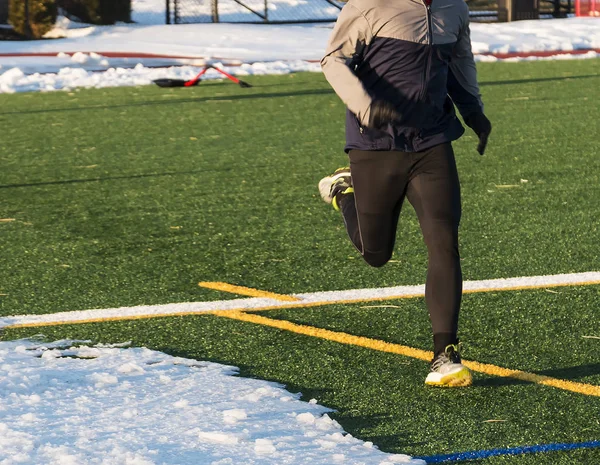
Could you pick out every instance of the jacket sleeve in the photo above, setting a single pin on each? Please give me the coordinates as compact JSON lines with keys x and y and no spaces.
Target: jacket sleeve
{"x":351,"y":34}
{"x":462,"y":76}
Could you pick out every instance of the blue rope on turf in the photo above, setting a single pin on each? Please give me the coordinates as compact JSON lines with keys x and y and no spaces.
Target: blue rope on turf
{"x":482,"y":454}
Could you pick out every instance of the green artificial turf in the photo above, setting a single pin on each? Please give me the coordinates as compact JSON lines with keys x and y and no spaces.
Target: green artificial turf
{"x":129,"y":196}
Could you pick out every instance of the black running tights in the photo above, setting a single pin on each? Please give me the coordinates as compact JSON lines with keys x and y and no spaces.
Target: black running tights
{"x":429,"y":180}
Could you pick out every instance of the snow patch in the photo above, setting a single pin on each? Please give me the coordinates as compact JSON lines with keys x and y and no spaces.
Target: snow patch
{"x":69,"y":404}
{"x":264,"y":447}
{"x":217,"y":437}
{"x":234,"y":415}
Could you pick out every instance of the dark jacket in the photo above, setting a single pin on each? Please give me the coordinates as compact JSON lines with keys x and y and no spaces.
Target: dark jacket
{"x":416,"y":57}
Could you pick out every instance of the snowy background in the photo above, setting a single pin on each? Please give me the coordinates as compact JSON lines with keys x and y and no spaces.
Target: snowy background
{"x":136,"y":54}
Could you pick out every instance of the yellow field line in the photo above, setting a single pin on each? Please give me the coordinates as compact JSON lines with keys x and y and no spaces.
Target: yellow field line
{"x":389,"y":347}
{"x":581,"y":388}
{"x":241,"y":290}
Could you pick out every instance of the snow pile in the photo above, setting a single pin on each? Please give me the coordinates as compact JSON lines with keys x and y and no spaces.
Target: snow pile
{"x":64,"y":27}
{"x":14,"y":80}
{"x":109,"y":405}
{"x":536,"y":35}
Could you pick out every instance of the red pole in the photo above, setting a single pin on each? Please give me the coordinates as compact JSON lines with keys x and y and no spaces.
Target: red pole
{"x":233,"y":78}
{"x":192,"y":82}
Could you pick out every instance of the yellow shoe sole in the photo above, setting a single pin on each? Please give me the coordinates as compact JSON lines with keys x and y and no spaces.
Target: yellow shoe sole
{"x":461,"y":378}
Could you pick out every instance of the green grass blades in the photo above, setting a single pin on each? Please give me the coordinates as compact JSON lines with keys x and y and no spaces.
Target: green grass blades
{"x":130,"y":196}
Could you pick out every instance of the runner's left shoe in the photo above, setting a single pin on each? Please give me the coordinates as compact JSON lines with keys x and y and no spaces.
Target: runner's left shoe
{"x":447,"y":369}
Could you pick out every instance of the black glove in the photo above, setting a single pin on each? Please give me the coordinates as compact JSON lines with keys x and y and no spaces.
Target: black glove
{"x":381,"y":114}
{"x":479,"y":123}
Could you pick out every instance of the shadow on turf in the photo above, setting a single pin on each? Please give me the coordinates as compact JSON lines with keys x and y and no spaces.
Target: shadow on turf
{"x":573,"y":373}
{"x":110,"y":178}
{"x":177,"y":101}
{"x":569,"y":373}
{"x":358,"y":426}
{"x":526,"y":81}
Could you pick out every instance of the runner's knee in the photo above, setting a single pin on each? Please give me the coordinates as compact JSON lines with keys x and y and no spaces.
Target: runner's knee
{"x":377,"y":260}
{"x":443,"y":240}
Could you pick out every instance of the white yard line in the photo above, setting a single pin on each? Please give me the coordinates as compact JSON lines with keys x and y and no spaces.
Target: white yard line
{"x":305,"y":300}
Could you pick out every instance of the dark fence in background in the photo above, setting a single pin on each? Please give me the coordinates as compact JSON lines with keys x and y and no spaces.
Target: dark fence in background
{"x":252,"y":11}
{"x":515,"y":10}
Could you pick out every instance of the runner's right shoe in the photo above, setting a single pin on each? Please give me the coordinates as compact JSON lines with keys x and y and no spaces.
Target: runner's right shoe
{"x":338,"y":183}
